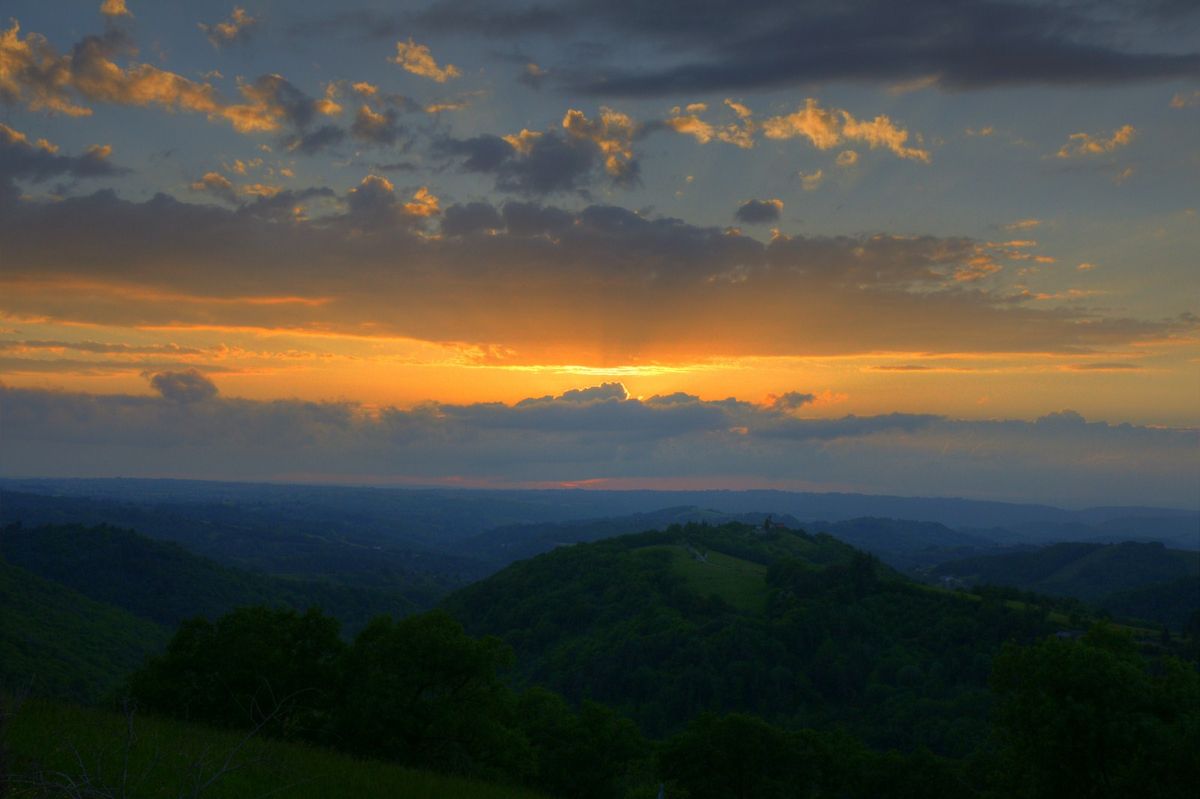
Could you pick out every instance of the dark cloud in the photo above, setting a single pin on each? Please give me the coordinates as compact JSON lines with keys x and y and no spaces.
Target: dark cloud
{"x":376,"y":127}
{"x":315,"y":141}
{"x":188,"y":386}
{"x":40,"y":161}
{"x":599,"y":285}
{"x":548,"y":163}
{"x":759,"y":212}
{"x":531,"y":219}
{"x":714,"y":46}
{"x":593,"y":433}
{"x":792,"y":400}
{"x":463,"y":220}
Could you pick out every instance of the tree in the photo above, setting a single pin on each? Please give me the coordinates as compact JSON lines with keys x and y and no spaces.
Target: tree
{"x":424,"y":693}
{"x":253,"y":664}
{"x":1087,"y":719}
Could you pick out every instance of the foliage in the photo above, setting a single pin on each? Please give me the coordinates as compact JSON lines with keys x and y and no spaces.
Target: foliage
{"x":423,"y":693}
{"x":250,"y":665}
{"x":163,"y":582}
{"x":1139,"y":580}
{"x":839,"y":638}
{"x":1088,"y":719}
{"x":58,"y":642}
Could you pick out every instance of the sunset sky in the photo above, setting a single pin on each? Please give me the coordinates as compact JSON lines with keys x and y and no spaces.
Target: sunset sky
{"x":922,"y":248}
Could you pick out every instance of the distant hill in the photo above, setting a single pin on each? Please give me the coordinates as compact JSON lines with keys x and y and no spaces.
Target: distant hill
{"x":436,"y":520}
{"x":164,"y":583}
{"x":906,"y":544}
{"x":56,"y":641}
{"x":1143,"y":580}
{"x":301,"y":537}
{"x":802,"y":629}
{"x":515,"y":542}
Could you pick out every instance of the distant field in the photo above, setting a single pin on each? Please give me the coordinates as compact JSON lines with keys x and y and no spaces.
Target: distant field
{"x":739,"y":582}
{"x":167,"y":757}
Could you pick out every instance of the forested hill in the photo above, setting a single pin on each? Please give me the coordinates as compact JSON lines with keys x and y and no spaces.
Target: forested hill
{"x":164,"y":583}
{"x":58,"y":642}
{"x":802,"y":630}
{"x":1142,"y":580}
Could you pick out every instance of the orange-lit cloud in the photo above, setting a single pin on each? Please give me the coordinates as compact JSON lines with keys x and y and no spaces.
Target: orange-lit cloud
{"x":423,"y":204}
{"x":32,"y":73}
{"x":612,"y":132}
{"x":236,"y":28}
{"x":1082,"y":144}
{"x":114,"y":8}
{"x":1185,"y":100}
{"x":417,"y":59}
{"x":829,"y":128}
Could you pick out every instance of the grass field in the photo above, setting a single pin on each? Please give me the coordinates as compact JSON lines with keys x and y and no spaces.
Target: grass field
{"x":168,"y":759}
{"x":739,"y":582}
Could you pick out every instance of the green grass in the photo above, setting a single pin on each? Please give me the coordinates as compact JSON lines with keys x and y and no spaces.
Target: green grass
{"x":166,"y":757}
{"x":739,"y":582}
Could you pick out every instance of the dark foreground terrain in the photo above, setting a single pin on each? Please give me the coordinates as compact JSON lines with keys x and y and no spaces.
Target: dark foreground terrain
{"x":224,"y":640}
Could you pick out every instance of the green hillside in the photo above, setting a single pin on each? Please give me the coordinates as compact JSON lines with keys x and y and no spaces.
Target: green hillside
{"x":1141,"y":580}
{"x":54,"y":640}
{"x":801,"y":630}
{"x":168,"y":758}
{"x":165,"y":583}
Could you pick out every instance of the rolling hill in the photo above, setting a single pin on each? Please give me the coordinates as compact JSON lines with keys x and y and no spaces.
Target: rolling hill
{"x":57,"y":641}
{"x":164,"y":583}
{"x":1143,"y":580}
{"x":803,"y":630}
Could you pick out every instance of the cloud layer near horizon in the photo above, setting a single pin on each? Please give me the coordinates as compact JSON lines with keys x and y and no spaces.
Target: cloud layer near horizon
{"x":529,"y":283}
{"x":593,"y":434}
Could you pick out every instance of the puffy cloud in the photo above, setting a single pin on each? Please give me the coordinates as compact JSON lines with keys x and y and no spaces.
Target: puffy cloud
{"x":612,"y":134}
{"x":376,"y":127}
{"x":532,"y":76}
{"x":217,"y":185}
{"x":187,"y":386}
{"x":423,"y":203}
{"x":791,"y":401}
{"x":759,"y":212}
{"x":34,"y":74}
{"x":20,"y":158}
{"x":593,"y":433}
{"x":114,"y":8}
{"x":1080,"y":144}
{"x":238,"y":28}
{"x":535,"y":162}
{"x":829,"y":128}
{"x":825,"y":128}
{"x":811,"y":181}
{"x":417,"y":59}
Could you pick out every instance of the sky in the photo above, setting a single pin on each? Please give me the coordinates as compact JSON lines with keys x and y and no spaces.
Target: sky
{"x":935,"y":248}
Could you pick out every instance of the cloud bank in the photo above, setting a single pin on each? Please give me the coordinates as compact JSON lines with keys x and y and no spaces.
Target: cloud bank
{"x":595,"y":433}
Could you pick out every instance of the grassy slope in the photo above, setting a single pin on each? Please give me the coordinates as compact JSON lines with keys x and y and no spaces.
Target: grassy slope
{"x":167,"y":755}
{"x":54,"y":640}
{"x":739,"y":582}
